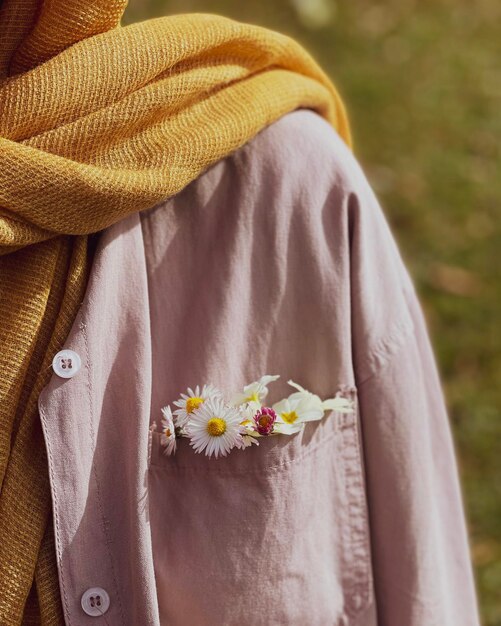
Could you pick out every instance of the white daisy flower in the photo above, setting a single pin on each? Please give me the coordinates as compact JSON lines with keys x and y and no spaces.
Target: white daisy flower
{"x":215,"y":427}
{"x":294,"y":411}
{"x":168,"y":436}
{"x":188,"y":403}
{"x":254,"y":392}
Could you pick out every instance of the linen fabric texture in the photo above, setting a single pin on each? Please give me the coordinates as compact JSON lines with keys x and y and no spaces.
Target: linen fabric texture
{"x":275,"y":260}
{"x":98,"y":122}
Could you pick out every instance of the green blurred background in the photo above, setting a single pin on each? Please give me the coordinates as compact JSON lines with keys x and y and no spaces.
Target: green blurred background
{"x":422,"y":85}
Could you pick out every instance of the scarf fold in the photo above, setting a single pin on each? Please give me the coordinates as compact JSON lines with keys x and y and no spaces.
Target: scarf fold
{"x":98,"y":121}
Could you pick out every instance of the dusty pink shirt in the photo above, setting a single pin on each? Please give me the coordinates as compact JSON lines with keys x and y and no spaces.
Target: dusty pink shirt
{"x":276,"y":260}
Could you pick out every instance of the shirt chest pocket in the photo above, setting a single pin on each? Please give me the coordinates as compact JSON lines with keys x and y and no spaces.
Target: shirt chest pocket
{"x":272,"y":534}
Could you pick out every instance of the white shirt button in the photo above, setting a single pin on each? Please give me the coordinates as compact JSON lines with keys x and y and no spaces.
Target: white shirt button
{"x":66,"y":363}
{"x":95,"y":601}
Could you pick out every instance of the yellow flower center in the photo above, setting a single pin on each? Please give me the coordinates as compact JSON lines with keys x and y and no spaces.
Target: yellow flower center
{"x":254,"y":397}
{"x":216,"y":427}
{"x":167,"y":432}
{"x":290,"y":418}
{"x":193,"y":403}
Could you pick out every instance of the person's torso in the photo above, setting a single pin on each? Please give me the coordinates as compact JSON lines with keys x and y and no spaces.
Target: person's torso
{"x":243,"y":273}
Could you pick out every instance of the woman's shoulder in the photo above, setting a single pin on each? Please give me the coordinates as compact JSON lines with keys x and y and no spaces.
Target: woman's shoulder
{"x":289,"y":211}
{"x":305,"y":149}
{"x":320,"y":184}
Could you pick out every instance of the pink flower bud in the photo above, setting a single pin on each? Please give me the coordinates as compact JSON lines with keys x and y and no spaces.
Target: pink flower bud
{"x":264,"y":420}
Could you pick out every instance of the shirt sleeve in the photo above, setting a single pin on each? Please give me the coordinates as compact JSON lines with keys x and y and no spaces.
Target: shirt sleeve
{"x":419,"y":546}
{"x":421,"y":559}
{"x":420,"y":552}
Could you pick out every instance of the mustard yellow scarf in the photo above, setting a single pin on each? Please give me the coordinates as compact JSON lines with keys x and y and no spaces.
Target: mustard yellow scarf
{"x":98,"y":121}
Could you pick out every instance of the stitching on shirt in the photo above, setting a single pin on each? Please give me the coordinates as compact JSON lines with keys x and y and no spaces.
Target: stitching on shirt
{"x":357,"y":554}
{"x":94,"y":470}
{"x":256,"y":470}
{"x":56,"y":515}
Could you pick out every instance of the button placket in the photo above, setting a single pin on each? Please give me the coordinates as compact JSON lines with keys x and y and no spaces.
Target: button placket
{"x":67,"y":363}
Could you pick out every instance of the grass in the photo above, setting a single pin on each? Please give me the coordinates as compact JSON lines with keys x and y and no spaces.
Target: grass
{"x":422,"y":84}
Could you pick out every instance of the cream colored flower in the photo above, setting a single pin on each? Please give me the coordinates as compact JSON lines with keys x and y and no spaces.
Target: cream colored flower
{"x":343,"y":405}
{"x":302,"y":393}
{"x":188,"y":403}
{"x":294,"y":411}
{"x":338,"y":403}
{"x":254,"y":392}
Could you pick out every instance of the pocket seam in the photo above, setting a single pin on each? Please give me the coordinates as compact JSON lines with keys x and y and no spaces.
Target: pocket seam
{"x":257,"y":470}
{"x":357,"y":556}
